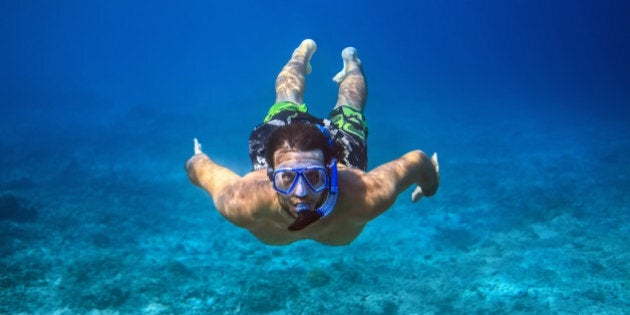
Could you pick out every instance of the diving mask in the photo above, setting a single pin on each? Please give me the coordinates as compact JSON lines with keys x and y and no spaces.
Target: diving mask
{"x":307,"y":216}
{"x":285,"y":179}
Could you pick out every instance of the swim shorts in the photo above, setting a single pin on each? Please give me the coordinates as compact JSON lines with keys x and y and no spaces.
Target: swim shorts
{"x":346,"y":125}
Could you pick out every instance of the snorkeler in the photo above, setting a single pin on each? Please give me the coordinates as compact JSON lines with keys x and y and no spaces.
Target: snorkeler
{"x":309,"y":178}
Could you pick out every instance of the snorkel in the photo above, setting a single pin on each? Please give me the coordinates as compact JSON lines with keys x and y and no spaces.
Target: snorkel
{"x":306,"y":216}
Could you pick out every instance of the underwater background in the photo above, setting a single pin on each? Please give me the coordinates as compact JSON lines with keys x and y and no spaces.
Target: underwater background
{"x":526,"y":103}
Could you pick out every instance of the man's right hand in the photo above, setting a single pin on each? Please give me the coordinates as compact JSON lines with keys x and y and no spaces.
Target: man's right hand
{"x":190,"y":164}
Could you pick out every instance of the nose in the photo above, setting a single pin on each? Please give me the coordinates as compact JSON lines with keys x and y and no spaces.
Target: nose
{"x":301,"y":190}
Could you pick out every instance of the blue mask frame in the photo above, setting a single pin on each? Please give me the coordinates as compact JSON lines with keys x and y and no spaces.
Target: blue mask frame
{"x":300,"y":174}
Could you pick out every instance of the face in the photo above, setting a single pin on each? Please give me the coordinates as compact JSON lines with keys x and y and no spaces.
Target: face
{"x":302,"y":193}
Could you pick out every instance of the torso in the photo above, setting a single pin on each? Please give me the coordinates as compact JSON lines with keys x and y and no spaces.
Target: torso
{"x":340,"y":228}
{"x":326,"y":231}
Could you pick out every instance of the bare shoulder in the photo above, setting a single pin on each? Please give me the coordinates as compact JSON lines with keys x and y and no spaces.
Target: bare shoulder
{"x":352,"y":178}
{"x":247,"y":199}
{"x":364,"y":196}
{"x":356,"y":188}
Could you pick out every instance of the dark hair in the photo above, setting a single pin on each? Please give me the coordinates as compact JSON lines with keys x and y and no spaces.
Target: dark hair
{"x":301,"y":136}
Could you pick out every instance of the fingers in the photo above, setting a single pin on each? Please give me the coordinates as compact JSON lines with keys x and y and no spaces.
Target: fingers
{"x":434,"y":160}
{"x":197,"y":146}
{"x":416,"y":194}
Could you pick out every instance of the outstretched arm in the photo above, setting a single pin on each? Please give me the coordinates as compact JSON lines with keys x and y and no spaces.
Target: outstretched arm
{"x":388,"y":180}
{"x":203,"y":172}
{"x":241,"y":200}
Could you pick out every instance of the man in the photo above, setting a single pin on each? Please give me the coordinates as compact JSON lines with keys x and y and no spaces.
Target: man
{"x":308,"y":179}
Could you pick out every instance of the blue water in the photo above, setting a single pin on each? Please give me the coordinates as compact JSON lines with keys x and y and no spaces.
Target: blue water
{"x":526,"y":102}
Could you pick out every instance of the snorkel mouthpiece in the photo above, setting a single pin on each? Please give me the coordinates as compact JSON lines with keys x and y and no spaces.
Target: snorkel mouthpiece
{"x":305,"y":217}
{"x":301,"y":207}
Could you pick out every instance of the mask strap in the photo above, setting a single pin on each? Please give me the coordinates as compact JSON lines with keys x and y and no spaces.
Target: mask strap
{"x":326,"y":133}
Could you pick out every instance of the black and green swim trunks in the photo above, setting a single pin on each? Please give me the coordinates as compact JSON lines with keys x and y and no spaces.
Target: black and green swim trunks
{"x":346,"y":125}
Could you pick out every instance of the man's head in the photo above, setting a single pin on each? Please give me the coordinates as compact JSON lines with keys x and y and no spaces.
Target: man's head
{"x":297,"y":155}
{"x":300,"y":136}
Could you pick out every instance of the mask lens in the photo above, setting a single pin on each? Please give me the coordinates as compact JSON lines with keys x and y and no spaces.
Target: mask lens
{"x":316,"y":178}
{"x":284,"y":180}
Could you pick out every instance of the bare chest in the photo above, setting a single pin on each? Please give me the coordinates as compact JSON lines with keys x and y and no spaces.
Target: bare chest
{"x":326,"y":231}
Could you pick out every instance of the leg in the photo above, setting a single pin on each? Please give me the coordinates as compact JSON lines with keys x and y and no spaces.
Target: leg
{"x":291,"y":81}
{"x":352,"y":86}
{"x":347,"y":116}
